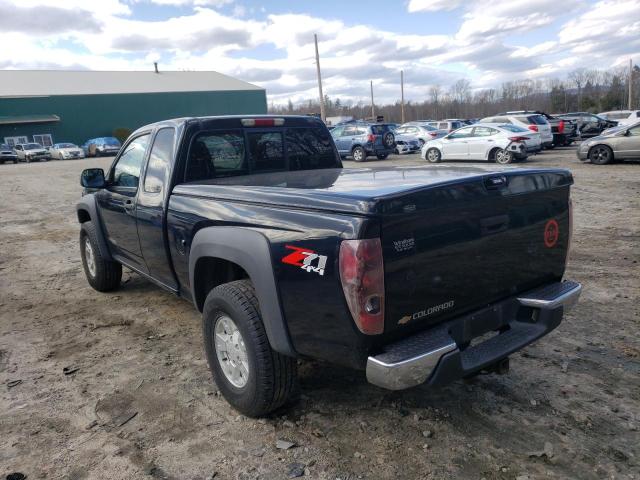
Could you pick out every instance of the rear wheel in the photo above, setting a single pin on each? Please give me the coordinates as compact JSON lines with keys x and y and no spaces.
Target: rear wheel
{"x":103,"y":275}
{"x":433,"y":155}
{"x":601,"y":155}
{"x":359,"y":155}
{"x":251,"y":376}
{"x":504,"y":156}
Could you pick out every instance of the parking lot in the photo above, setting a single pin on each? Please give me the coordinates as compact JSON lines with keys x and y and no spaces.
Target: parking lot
{"x":136,"y":397}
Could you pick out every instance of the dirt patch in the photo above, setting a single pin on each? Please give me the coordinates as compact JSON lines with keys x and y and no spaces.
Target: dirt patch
{"x":140,"y":402}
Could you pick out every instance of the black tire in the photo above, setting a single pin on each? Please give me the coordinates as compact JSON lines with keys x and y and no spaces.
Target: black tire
{"x":600,"y":155}
{"x":272,"y":379}
{"x":433,"y":155}
{"x":503,"y":157}
{"x":389,"y":140}
{"x":550,"y":147}
{"x":358,"y":154}
{"x":106,"y":274}
{"x":382,"y":156}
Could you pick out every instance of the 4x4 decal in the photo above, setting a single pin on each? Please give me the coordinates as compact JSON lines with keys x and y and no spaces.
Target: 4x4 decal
{"x":305,"y":258}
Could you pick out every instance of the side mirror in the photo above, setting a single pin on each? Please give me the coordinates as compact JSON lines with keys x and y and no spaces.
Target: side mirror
{"x":92,"y":178}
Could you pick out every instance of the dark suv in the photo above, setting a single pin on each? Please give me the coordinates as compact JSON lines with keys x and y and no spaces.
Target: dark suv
{"x":361,"y":140}
{"x":589,"y":125}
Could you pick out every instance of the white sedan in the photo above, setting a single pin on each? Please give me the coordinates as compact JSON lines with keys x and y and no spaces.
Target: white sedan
{"x":489,"y":142}
{"x":63,"y":151}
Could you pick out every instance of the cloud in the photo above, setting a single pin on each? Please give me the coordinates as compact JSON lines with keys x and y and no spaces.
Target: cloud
{"x":182,"y":3}
{"x":45,"y":19}
{"x":433,"y":5}
{"x":488,"y":19}
{"x":276,"y":51}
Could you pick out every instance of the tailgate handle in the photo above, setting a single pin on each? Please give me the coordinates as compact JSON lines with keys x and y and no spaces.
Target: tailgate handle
{"x":496,"y":182}
{"x":493,"y":225}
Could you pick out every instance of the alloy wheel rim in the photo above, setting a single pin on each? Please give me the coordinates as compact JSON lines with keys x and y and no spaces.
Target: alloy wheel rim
{"x":433,"y":155}
{"x":231,"y":351}
{"x":601,"y":154}
{"x":89,"y":257}
{"x":357,"y":155}
{"x":502,"y":157}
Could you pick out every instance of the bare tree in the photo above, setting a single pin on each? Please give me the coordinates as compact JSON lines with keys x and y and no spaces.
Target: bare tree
{"x":578,"y":78}
{"x":434,"y":93}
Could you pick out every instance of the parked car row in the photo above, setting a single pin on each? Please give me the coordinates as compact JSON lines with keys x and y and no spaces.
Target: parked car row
{"x":29,"y":152}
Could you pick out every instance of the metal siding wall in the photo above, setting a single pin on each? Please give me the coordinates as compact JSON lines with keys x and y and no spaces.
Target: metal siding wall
{"x":88,"y":116}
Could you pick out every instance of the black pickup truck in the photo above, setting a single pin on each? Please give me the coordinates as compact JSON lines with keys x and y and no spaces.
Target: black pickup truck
{"x":395,"y":271}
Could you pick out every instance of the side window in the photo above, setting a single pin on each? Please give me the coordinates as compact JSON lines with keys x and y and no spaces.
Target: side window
{"x":336,"y":132}
{"x":362,"y":131}
{"x":127,"y":171}
{"x":159,"y":161}
{"x":266,"y":151}
{"x":635,"y":131}
{"x":216,"y":154}
{"x":349,"y":131}
{"x":402,"y":130}
{"x":412,"y":130}
{"x":443,"y":125}
{"x":462,"y":133}
{"x":484,"y":132}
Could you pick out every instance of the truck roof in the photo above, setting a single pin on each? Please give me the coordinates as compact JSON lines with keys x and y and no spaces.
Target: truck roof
{"x":230,"y":121}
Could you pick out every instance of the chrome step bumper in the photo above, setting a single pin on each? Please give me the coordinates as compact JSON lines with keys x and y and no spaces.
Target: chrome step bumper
{"x":433,"y":355}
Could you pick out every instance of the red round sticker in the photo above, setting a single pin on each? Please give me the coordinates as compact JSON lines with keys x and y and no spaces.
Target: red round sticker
{"x":551,"y":233}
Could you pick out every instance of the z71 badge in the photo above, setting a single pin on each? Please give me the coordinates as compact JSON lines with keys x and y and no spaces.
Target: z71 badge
{"x":306,"y":259}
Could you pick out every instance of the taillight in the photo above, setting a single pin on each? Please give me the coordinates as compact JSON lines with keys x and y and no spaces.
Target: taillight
{"x":518,"y":139}
{"x":561,"y":126}
{"x":371,"y":138}
{"x":262,"y":122}
{"x":362,"y":277}
{"x":533,"y":128}
{"x":433,"y":134}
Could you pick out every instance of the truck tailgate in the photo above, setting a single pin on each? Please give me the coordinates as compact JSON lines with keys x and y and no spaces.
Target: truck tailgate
{"x":457,"y":247}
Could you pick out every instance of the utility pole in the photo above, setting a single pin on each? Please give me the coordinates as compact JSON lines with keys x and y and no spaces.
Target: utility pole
{"x":322,"y":112}
{"x":373,"y":108}
{"x":402,"y":94}
{"x":630,"y":82}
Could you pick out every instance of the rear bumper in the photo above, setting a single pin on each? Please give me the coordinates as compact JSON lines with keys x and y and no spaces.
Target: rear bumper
{"x":435,"y":356}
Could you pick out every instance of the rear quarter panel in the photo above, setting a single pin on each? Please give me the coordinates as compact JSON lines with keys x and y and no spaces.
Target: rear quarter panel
{"x":319,"y":322}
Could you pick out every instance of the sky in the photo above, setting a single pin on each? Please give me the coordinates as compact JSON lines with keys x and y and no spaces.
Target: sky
{"x":270,"y":43}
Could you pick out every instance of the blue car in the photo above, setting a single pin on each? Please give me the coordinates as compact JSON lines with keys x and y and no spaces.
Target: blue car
{"x":97,"y":147}
{"x":362,"y":140}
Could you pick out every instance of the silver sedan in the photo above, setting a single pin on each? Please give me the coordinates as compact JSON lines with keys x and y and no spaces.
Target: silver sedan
{"x":617,"y":144}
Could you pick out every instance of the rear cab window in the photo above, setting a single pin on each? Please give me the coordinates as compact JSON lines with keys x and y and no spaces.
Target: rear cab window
{"x":228,"y":153}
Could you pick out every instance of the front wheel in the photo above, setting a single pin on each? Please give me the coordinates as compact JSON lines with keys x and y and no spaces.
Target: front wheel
{"x":103,"y":275}
{"x":504,"y":156}
{"x":433,"y":155}
{"x":251,"y":376}
{"x":359,"y":155}
{"x":601,"y":155}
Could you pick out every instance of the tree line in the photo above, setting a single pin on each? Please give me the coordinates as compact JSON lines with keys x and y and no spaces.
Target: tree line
{"x":582,"y":90}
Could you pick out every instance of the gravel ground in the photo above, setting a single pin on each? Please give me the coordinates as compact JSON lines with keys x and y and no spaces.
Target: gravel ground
{"x":142,"y":404}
